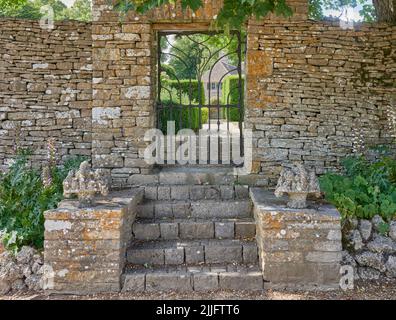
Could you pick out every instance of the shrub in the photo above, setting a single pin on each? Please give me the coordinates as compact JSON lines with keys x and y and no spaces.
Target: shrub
{"x":366,"y":188}
{"x":176,"y":113}
{"x":24,"y":198}
{"x":230,"y":94}
{"x":185,"y":87}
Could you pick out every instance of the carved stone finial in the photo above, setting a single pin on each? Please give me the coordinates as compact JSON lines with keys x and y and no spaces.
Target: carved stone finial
{"x":297,"y":182}
{"x":85,"y":183}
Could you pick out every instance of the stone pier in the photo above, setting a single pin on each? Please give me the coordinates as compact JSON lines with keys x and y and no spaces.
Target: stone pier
{"x":85,"y":248}
{"x":298,"y":248}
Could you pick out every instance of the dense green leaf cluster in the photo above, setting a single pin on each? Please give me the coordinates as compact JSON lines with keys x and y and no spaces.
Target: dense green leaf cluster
{"x":30,"y":9}
{"x":230,"y":94}
{"x":24,"y":198}
{"x":365,"y":189}
{"x":187,"y":87}
{"x":184,"y":117}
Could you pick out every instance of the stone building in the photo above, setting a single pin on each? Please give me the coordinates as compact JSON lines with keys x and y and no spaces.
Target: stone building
{"x":312,"y":89}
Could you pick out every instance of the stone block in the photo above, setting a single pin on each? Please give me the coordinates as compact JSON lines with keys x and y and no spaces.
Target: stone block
{"x":194,"y":254}
{"x":163,"y":193}
{"x":224,"y":230}
{"x":206,"y":281}
{"x":146,"y":256}
{"x":168,"y":282}
{"x":223,"y":254}
{"x":163,"y":210}
{"x":145,"y":211}
{"x":196,"y":230}
{"x":146,"y":231}
{"x":150,"y":193}
{"x":249,"y":253}
{"x":134,"y":282}
{"x":241,"y":192}
{"x":197,"y":192}
{"x":227,"y":192}
{"x":169,"y":230}
{"x":245,"y":230}
{"x":238,"y":281}
{"x":180,"y":192}
{"x":174,"y":256}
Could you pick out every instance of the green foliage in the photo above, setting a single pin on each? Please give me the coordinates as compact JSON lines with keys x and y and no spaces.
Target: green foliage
{"x":188,"y":116}
{"x":230,"y":94}
{"x":24,"y":198}
{"x":365,"y":189}
{"x":383,"y":228}
{"x":186,"y":87}
{"x":81,"y":10}
{"x":30,"y":9}
{"x":317,"y":8}
{"x":232,"y":15}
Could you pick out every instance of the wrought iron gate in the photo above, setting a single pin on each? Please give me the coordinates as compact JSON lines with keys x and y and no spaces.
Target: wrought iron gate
{"x":207,"y":89}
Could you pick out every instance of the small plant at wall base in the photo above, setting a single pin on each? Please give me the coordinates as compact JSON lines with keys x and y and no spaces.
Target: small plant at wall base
{"x":24,"y":198}
{"x":365,"y":189}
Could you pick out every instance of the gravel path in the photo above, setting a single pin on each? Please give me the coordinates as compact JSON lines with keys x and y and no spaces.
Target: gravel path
{"x":373,"y":290}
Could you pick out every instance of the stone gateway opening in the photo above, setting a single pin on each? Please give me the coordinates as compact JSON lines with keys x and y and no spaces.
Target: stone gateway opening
{"x":200,"y":87}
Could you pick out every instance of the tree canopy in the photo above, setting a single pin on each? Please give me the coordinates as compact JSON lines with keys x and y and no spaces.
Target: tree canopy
{"x":232,"y":15}
{"x":30,"y":9}
{"x":235,"y":13}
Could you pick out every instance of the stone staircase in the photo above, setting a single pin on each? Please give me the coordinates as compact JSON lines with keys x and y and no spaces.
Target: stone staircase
{"x":194,"y":231}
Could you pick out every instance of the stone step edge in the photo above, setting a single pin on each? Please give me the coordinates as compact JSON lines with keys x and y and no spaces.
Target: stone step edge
{"x":253,"y":180}
{"x":176,"y":243}
{"x":143,"y":220}
{"x":172,"y":229}
{"x":192,"y":281}
{"x":195,"y":209}
{"x":196,"y":192}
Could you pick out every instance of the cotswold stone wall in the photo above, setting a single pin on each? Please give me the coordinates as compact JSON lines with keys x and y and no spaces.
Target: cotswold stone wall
{"x":45,"y":88}
{"x":314,"y":90}
{"x":124,"y":79}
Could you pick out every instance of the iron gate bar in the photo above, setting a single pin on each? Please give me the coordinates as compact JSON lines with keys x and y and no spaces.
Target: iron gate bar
{"x":172,"y":110}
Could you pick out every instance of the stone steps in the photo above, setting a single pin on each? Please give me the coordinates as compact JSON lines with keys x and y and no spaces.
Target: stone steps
{"x":172,"y":229}
{"x":194,"y":278}
{"x":215,"y":175}
{"x":190,"y":252}
{"x":178,"y":209}
{"x":194,"y":231}
{"x":196,"y":192}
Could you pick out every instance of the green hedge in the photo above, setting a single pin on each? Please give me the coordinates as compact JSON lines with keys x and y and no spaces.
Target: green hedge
{"x":230,"y":87}
{"x":169,"y":114}
{"x":184,"y":86}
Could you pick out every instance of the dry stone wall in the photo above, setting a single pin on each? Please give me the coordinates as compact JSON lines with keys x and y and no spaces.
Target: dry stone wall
{"x":45,"y":88}
{"x":315,"y":91}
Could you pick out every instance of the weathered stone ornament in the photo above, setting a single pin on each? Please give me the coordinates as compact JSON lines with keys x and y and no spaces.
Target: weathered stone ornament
{"x":85,"y":183}
{"x":297,"y":182}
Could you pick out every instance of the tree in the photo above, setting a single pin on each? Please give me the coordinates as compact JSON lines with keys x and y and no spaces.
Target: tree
{"x":30,"y":9}
{"x":385,"y":10}
{"x":234,"y":13}
{"x":80,"y":10}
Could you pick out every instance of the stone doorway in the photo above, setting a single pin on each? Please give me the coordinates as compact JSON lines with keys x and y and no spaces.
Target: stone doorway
{"x":200,"y":87}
